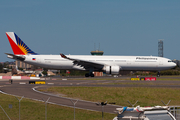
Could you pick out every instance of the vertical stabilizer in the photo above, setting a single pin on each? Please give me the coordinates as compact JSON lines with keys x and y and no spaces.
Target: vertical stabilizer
{"x":17,"y":45}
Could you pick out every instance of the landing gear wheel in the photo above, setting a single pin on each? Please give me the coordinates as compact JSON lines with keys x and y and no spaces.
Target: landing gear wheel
{"x":158,"y":74}
{"x":87,"y":75}
{"x":92,"y":75}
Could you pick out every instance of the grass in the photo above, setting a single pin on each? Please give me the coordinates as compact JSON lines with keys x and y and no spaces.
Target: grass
{"x":34,"y":110}
{"x":120,"y":95}
{"x":141,"y":83}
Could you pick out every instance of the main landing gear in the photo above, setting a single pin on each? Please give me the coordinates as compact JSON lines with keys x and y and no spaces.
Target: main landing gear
{"x":158,"y":74}
{"x":89,"y":74}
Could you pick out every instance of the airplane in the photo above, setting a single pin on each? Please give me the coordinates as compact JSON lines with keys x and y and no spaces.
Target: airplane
{"x":108,"y":64}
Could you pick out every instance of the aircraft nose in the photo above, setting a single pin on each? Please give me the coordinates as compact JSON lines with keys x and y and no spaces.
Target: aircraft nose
{"x":174,"y":64}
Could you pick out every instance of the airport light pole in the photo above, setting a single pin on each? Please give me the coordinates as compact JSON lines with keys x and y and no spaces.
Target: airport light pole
{"x":19,"y":106}
{"x":74,"y":103}
{"x":102,"y":105}
{"x":167,"y":103}
{"x":46,"y":107}
{"x":132,"y":104}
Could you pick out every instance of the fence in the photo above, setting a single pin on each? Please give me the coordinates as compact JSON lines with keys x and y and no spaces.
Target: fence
{"x":175,"y":110}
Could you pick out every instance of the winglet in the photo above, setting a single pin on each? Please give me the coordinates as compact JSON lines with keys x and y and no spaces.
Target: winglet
{"x":63,"y":56}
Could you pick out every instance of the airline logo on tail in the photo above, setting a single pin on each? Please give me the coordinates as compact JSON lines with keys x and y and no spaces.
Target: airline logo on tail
{"x":17,"y":45}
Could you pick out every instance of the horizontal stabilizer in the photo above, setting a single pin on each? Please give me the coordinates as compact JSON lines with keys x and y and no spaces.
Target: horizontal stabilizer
{"x":21,"y":58}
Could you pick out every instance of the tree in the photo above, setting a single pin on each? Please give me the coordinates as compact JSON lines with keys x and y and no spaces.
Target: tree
{"x":1,"y":67}
{"x":45,"y":72}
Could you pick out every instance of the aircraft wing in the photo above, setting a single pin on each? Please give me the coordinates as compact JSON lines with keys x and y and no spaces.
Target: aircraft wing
{"x":84,"y":63}
{"x":16,"y":57}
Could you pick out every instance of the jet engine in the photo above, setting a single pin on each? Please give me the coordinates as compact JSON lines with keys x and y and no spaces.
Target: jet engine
{"x":111,"y":70}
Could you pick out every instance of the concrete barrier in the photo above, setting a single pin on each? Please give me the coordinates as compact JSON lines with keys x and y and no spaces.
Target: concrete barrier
{"x":19,"y":77}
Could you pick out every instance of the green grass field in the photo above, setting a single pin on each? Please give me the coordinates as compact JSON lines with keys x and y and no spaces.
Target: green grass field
{"x":120,"y":95}
{"x":34,"y":110}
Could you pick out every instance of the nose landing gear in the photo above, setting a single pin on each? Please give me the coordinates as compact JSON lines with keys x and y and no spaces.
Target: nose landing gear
{"x":158,"y":74}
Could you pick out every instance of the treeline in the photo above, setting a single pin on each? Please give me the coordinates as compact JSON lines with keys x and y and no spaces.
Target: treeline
{"x":1,"y":68}
{"x":170,"y":72}
{"x":174,"y":71}
{"x":166,"y":72}
{"x":6,"y":66}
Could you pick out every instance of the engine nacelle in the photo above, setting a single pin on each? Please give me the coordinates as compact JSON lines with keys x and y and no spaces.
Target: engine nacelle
{"x":112,"y":70}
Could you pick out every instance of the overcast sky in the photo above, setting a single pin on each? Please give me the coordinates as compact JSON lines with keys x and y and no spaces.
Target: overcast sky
{"x":121,"y":27}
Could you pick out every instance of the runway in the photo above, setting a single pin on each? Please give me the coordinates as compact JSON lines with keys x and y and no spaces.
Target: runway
{"x":23,"y":88}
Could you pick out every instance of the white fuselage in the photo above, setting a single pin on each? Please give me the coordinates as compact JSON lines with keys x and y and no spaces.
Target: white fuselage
{"x":145,"y":63}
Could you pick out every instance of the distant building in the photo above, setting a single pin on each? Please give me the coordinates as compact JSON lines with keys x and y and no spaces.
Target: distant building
{"x":23,"y":65}
{"x":11,"y":64}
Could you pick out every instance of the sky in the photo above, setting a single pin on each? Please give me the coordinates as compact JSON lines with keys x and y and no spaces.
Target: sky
{"x":76,"y":27}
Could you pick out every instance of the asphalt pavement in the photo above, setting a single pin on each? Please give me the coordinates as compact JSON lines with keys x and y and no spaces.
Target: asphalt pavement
{"x":23,"y":88}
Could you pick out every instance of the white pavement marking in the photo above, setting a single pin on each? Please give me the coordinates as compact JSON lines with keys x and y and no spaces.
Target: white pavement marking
{"x":85,"y":82}
{"x":106,"y":82}
{"x":50,"y":83}
{"x":22,"y":83}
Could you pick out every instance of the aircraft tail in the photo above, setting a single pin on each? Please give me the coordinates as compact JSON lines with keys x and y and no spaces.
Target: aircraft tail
{"x":17,"y":45}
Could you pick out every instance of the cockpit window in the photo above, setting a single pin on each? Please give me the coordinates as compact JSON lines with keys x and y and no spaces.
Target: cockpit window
{"x":169,"y":60}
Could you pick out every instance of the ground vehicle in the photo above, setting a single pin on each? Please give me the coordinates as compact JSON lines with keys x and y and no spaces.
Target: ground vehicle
{"x":144,"y":113}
